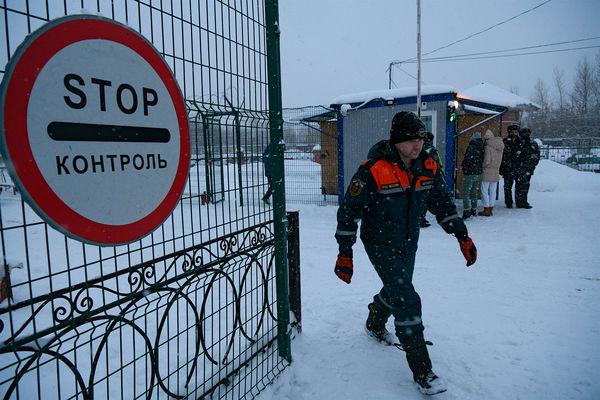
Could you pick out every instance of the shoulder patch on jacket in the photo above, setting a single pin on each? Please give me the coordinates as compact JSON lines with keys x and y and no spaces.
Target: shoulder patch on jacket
{"x":356,"y":187}
{"x":431,"y":164}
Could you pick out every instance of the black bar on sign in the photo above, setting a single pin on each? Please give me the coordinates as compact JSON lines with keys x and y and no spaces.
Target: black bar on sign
{"x":78,"y":132}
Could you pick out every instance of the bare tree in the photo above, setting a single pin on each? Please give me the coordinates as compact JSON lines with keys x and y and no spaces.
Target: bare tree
{"x":560,"y":86}
{"x":583,"y":87}
{"x":514,"y":90}
{"x":540,"y":94}
{"x":596,"y":82}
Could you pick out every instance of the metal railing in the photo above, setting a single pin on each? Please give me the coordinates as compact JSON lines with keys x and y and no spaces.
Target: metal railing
{"x":197,"y":309}
{"x":581,"y":158}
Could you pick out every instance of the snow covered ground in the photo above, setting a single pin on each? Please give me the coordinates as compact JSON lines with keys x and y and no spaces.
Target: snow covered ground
{"x":522,"y":323}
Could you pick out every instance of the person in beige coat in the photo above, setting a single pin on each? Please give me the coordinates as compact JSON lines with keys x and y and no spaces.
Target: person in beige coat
{"x":492,"y":158}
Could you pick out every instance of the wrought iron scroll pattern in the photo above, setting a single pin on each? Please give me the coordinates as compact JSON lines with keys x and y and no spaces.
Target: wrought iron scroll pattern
{"x":192,"y":278}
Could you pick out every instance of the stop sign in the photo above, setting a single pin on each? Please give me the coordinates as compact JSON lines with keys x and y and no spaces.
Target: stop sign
{"x":94,"y":129}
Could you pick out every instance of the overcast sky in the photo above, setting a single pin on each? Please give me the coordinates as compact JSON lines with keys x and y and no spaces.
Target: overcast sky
{"x":334,"y":47}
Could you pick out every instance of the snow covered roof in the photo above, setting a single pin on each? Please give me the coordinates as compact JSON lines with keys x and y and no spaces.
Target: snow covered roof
{"x":390,"y":94}
{"x":484,"y":93}
{"x":310,"y":114}
{"x":479,"y":110}
{"x":488,"y":93}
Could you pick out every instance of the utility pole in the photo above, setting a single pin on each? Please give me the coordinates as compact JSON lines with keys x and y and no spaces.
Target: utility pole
{"x":419,"y":58}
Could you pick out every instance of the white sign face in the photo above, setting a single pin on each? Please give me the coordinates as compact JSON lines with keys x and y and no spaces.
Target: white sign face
{"x":95,"y":129}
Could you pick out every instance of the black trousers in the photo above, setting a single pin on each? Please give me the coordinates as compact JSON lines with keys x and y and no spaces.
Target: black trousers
{"x":423,"y":214}
{"x":398,"y":295}
{"x":508,"y":184}
{"x":522,"y":183}
{"x":269,"y":190}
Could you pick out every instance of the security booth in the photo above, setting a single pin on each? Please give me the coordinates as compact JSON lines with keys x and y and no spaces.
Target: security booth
{"x":365,"y":118}
{"x":327,"y":147}
{"x":451,"y":115}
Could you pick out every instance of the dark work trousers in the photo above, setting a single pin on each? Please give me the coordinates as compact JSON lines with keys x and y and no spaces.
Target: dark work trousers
{"x":522,"y":183}
{"x":269,"y":190}
{"x":423,"y":214}
{"x":395,"y":269}
{"x":508,"y":184}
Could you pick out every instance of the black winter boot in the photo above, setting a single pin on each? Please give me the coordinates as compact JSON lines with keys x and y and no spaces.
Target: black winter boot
{"x":430,"y":383}
{"x":375,"y":325}
{"x":420,"y":364}
{"x":416,"y":353}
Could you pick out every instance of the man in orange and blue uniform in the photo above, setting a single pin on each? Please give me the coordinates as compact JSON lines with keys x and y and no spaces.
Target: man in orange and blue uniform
{"x":388,"y":194}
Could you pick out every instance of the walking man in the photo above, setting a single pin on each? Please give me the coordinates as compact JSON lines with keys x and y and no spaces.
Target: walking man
{"x":388,"y":194}
{"x":512,"y":143}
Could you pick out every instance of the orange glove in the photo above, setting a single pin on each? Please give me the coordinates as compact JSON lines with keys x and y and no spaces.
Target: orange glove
{"x":344,"y":268}
{"x":467,"y":247}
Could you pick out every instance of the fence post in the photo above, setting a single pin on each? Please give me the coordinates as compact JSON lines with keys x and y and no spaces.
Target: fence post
{"x":294,"y":267}
{"x":280,"y":221}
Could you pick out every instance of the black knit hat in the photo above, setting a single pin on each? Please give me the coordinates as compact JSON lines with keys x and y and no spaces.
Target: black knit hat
{"x":406,"y":126}
{"x":525,"y":131}
{"x":512,"y":128}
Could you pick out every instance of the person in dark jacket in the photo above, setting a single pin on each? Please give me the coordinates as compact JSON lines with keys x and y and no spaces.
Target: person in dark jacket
{"x":267,"y":159}
{"x":388,"y":194}
{"x":528,"y":157}
{"x":430,"y":149}
{"x":472,"y":168}
{"x":508,"y":170}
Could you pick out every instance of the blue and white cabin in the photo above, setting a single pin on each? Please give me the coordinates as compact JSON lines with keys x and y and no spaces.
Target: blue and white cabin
{"x":365,"y":118}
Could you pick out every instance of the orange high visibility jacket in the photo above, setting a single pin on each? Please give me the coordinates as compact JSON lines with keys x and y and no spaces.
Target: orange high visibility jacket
{"x":389,"y":198}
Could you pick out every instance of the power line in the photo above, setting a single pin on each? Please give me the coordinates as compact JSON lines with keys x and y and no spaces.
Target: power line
{"x":393,"y":63}
{"x":489,"y":28}
{"x":477,"y":33}
{"x":455,"y":58}
{"x":513,"y":49}
{"x":406,"y":72}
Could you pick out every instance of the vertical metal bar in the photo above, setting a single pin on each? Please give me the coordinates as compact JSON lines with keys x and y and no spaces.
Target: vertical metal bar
{"x":340,"y":148}
{"x":450,"y":152}
{"x":280,"y":221}
{"x":419,"y":58}
{"x":294,"y":263}
{"x":7,"y":32}
{"x":238,"y":139}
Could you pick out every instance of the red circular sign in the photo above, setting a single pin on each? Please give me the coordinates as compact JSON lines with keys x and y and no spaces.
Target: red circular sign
{"x":58,"y":193}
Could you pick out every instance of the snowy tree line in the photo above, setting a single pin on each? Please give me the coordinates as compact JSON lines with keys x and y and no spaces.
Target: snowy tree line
{"x":568,"y":111}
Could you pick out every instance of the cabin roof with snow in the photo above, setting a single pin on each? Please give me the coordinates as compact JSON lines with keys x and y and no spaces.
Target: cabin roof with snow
{"x":481,"y":98}
{"x":488,"y":93}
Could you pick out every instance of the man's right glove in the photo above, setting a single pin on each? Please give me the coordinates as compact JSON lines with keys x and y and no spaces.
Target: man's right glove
{"x":467,"y":247}
{"x":344,"y":268}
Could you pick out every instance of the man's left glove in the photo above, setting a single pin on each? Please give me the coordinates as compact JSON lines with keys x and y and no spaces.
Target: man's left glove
{"x":344,"y":268}
{"x":467,"y":247}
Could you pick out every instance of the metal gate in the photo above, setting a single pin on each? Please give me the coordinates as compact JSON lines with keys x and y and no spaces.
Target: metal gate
{"x":199,"y":308}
